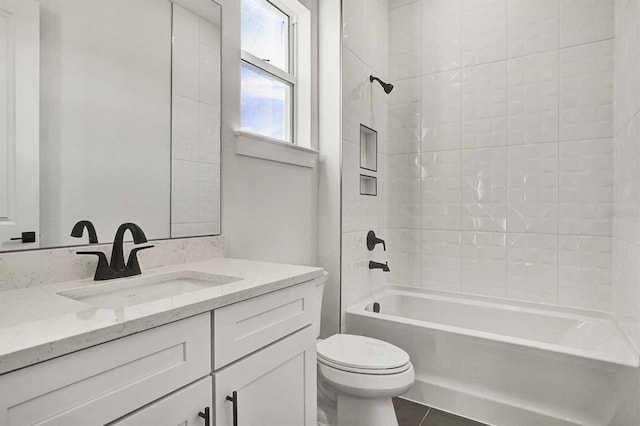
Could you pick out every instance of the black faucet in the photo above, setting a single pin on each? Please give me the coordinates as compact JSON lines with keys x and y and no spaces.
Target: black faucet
{"x":118,"y":268}
{"x":376,"y":265}
{"x":372,"y":240}
{"x":78,"y":231}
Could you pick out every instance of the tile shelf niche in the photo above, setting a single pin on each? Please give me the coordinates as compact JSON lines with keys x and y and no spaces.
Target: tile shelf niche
{"x":368,"y":148}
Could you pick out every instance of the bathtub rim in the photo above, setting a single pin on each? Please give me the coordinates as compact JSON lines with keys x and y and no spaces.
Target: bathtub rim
{"x":631,"y":359}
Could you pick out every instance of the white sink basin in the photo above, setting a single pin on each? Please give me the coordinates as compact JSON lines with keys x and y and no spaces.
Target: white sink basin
{"x":134,"y":291}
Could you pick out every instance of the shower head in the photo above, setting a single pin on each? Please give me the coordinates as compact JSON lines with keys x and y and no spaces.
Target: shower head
{"x":388,"y":87}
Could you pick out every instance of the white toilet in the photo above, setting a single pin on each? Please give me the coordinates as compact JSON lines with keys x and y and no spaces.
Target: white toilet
{"x":364,"y":374}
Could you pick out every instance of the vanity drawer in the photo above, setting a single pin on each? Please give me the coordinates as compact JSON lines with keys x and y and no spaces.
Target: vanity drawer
{"x":245,"y":327}
{"x":97,"y":385}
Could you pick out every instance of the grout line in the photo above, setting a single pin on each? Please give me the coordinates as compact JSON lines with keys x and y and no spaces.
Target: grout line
{"x":562,"y":142}
{"x":461,"y":182}
{"x":558,"y":174}
{"x":425,"y":416}
{"x":506,"y":161}
{"x":507,"y":58}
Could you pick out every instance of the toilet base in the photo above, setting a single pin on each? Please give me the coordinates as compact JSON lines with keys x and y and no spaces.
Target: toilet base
{"x":354,"y":411}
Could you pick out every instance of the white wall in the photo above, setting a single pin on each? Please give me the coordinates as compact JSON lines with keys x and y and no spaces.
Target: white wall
{"x":105,"y":117}
{"x":626,"y":212}
{"x":329,"y":172}
{"x":269,"y":209}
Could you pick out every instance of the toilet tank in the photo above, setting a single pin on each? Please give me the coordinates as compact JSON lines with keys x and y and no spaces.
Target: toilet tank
{"x":317,"y":308}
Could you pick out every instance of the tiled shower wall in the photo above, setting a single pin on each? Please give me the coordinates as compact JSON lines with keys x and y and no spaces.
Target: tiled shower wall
{"x":626,"y":272}
{"x":365,"y":44}
{"x":195,"y":151}
{"x":500,"y":148}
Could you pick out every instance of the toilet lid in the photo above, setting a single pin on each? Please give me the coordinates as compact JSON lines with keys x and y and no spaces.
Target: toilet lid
{"x":361,"y":352}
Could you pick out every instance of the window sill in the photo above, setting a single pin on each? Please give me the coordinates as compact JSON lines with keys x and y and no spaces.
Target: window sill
{"x":257,"y":146}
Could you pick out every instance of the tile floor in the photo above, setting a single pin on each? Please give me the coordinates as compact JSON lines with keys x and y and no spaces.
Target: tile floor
{"x":413,"y":414}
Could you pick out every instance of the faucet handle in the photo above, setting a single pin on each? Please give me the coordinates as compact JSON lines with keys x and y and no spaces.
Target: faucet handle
{"x":133,"y":266}
{"x":372,"y":240}
{"x":103,"y":271}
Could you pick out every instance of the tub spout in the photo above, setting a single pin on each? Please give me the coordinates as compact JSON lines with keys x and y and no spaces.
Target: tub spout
{"x":376,"y":265}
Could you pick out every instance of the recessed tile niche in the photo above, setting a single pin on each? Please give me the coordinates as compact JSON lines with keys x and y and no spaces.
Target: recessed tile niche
{"x":368,"y":185}
{"x":368,"y":148}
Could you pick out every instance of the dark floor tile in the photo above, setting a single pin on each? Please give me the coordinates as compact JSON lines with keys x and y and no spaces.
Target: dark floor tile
{"x":409,"y":413}
{"x":440,"y":418}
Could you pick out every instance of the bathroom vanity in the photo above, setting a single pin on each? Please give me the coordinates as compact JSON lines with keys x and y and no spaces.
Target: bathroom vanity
{"x":237,"y":352}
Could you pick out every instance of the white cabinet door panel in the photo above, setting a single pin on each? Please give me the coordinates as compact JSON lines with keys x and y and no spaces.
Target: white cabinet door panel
{"x":181,"y":408}
{"x":275,"y":386}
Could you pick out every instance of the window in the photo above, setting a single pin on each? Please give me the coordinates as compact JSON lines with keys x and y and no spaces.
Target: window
{"x":268,"y":78}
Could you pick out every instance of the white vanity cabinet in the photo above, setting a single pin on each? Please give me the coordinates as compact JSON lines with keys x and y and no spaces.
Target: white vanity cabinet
{"x":100,"y":384}
{"x":260,"y":350}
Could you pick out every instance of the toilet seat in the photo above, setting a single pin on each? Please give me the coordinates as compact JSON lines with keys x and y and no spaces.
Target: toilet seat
{"x":362,"y":355}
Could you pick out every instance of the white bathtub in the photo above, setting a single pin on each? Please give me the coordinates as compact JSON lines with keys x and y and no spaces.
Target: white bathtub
{"x":508,"y":363}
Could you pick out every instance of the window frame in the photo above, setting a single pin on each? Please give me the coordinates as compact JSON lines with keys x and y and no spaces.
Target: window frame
{"x":289,"y":77}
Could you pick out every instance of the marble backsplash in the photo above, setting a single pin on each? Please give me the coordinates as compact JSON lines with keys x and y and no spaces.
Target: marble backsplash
{"x":38,"y":267}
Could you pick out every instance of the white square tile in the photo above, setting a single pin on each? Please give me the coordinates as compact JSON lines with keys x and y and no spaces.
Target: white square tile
{"x":404,"y":41}
{"x":184,"y":230}
{"x":376,"y":27}
{"x":352,"y":266}
{"x":586,"y":187}
{"x":212,"y":228}
{"x":184,"y":129}
{"x":532,"y":267}
{"x":184,"y":182}
{"x":441,"y":190}
{"x":185,"y":22}
{"x":483,"y":263}
{"x":185,"y":73}
{"x":351,"y":199}
{"x":405,"y":117}
{"x":209,"y":134}
{"x":397,"y":3}
{"x":352,"y":88}
{"x":533,"y":98}
{"x":440,"y":263}
{"x":484,"y":105}
{"x":403,"y":249}
{"x":585,"y":271}
{"x":441,"y":111}
{"x":586,"y":91}
{"x":441,"y":35}
{"x":484,"y":189}
{"x":585,"y":21}
{"x":209,"y":75}
{"x":484,"y":31}
{"x":374,"y":105}
{"x":533,"y":188}
{"x":210,"y":34}
{"x":533,"y":26}
{"x":404,"y":191}
{"x":184,"y":192}
{"x":352,"y":25}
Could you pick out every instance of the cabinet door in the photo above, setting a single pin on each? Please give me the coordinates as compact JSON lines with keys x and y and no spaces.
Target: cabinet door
{"x":273,"y":387}
{"x":181,"y":408}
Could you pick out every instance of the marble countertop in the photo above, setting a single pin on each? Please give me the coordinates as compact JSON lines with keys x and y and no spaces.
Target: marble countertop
{"x":37,"y":324}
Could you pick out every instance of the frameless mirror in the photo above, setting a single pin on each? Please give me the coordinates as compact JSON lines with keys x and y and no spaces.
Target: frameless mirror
{"x":126,"y":96}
